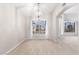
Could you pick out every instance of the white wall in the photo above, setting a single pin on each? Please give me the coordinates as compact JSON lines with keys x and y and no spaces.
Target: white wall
{"x":54,"y":28}
{"x":11,"y":33}
{"x":21,"y":24}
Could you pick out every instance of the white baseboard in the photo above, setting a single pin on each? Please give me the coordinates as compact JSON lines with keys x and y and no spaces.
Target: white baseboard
{"x":13,"y":47}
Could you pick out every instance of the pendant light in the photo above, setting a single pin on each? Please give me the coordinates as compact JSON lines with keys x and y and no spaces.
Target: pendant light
{"x":38,"y":16}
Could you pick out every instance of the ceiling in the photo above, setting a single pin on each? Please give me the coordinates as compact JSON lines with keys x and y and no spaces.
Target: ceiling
{"x":30,"y":9}
{"x":73,"y":10}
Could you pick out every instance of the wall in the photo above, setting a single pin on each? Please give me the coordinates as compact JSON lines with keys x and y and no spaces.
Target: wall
{"x":11,"y":33}
{"x":54,"y":24}
{"x":21,"y":24}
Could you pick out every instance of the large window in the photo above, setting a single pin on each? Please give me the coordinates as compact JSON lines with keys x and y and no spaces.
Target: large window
{"x":38,"y":26}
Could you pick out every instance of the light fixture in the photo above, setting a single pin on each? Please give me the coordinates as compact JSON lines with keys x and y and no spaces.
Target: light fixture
{"x":38,"y":11}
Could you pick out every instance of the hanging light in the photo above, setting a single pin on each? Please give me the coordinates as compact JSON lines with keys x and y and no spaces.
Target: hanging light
{"x":38,"y":11}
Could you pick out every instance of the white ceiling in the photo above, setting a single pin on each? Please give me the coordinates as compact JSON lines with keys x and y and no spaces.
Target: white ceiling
{"x":31,"y":9}
{"x":73,"y":10}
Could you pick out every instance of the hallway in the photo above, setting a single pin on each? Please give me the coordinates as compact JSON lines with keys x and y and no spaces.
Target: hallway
{"x":44,"y":47}
{"x":41,"y":28}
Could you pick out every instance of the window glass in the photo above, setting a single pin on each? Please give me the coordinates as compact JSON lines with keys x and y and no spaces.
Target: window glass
{"x":38,"y":26}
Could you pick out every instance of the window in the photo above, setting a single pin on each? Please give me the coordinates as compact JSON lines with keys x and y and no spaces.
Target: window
{"x":69,"y":26}
{"x":39,"y":27}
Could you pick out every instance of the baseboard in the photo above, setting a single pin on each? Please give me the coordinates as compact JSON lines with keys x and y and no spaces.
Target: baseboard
{"x":13,"y":47}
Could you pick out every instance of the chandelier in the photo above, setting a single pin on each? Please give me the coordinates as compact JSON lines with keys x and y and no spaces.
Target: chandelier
{"x":38,"y":10}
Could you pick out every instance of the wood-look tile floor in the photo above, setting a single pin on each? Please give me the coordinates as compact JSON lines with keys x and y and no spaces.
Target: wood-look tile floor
{"x":43,"y":47}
